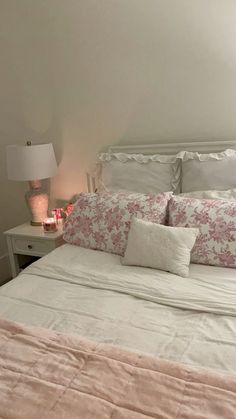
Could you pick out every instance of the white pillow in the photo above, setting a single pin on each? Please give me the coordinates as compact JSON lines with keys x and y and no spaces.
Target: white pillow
{"x":138,"y":173}
{"x":161,"y":247}
{"x":214,"y":171}
{"x":229,"y":195}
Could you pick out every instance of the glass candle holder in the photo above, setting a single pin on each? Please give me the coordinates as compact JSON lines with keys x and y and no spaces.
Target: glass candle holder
{"x":49,"y":225}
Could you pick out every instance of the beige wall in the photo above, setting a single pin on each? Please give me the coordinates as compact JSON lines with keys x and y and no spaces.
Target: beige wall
{"x":86,"y":73}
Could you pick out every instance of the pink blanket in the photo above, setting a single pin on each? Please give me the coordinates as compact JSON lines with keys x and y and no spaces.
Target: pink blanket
{"x":44,"y":374}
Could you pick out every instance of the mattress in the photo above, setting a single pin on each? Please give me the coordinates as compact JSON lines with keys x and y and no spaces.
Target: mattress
{"x":90,"y":293}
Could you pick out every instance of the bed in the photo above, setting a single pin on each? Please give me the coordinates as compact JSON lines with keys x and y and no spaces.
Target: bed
{"x":185,"y":321}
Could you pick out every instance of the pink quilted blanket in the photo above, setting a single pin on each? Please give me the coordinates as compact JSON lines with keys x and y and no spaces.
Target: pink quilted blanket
{"x":44,"y":374}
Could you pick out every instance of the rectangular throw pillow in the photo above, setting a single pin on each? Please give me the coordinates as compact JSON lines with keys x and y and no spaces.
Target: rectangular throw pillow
{"x":138,"y":173}
{"x":157,"y":246}
{"x":102,"y":221}
{"x":216,"y":220}
{"x":201,"y":172}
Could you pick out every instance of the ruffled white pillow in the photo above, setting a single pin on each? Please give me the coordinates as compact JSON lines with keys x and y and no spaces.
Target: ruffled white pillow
{"x":229,"y":195}
{"x":201,"y":172}
{"x":138,"y":173}
{"x":161,"y":247}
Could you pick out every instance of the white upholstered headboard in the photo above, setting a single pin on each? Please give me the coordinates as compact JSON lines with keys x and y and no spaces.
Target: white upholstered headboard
{"x":167,"y":148}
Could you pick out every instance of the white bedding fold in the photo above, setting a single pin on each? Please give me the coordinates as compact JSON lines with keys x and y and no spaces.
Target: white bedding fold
{"x":90,"y":294}
{"x":206,"y":289}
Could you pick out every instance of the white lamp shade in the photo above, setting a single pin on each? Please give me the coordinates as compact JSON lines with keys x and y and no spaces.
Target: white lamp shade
{"x":31,"y":162}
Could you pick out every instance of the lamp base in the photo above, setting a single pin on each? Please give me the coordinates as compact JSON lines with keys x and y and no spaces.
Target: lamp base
{"x":37,"y":201}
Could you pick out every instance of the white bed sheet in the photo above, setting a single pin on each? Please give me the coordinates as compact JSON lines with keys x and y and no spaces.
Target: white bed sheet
{"x":90,"y":293}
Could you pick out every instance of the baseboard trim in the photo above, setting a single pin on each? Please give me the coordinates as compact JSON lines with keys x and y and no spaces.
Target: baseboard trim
{"x":5,"y":273}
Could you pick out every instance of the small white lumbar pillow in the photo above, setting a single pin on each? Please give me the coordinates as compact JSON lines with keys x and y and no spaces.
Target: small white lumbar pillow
{"x":156,"y":246}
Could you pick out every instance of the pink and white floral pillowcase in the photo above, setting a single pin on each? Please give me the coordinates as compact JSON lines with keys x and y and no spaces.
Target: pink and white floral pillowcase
{"x":102,"y":221}
{"x":216,"y":220}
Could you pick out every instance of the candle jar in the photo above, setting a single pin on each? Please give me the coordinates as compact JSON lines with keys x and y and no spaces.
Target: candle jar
{"x":49,"y":225}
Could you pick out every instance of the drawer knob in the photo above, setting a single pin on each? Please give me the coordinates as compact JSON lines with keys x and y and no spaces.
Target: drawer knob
{"x":30,"y":246}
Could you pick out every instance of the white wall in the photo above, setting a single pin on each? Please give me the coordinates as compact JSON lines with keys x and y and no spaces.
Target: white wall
{"x":86,"y":73}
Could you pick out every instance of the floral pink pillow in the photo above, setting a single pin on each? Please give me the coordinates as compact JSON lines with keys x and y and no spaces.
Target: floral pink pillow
{"x":216,"y":220}
{"x":102,"y":221}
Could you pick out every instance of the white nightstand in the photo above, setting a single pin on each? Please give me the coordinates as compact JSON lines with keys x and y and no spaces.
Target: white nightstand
{"x":26,"y":243}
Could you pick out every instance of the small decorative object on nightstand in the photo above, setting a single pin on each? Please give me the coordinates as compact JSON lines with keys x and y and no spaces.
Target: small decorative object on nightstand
{"x":50,"y":225}
{"x":25,"y":243}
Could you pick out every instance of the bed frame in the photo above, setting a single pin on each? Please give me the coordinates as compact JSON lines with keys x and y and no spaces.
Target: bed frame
{"x":167,"y":148}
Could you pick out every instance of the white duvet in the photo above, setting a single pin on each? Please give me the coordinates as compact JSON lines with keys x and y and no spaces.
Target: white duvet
{"x":91,"y":293}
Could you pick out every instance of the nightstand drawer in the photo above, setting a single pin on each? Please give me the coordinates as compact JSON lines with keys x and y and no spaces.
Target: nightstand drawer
{"x":32,"y":247}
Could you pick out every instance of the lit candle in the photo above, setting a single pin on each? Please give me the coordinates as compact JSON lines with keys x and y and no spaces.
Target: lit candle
{"x":49,"y":225}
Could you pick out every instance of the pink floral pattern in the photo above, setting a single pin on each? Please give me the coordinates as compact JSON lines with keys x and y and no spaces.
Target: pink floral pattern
{"x":102,"y":221}
{"x":216,"y":242}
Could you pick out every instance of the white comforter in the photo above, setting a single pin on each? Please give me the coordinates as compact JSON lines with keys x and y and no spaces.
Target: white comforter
{"x":91,"y":293}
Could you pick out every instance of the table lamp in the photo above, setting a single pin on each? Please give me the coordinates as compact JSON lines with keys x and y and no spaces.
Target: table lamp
{"x":32,"y":163}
